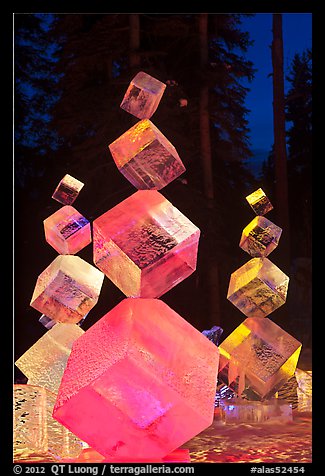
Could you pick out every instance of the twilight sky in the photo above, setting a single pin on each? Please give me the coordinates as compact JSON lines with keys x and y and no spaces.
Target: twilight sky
{"x":297,"y":36}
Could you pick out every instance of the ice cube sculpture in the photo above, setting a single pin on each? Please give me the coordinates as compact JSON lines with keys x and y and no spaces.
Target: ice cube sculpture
{"x":44,"y":362}
{"x":29,"y":421}
{"x":36,"y":432}
{"x":304,"y":390}
{"x":258,"y":355}
{"x":67,"y":289}
{"x":67,"y":231}
{"x":142,"y":378}
{"x":146,"y":157}
{"x":67,"y":190}
{"x":259,"y":202}
{"x":145,"y":245}
{"x":238,"y":410}
{"x":258,"y":287}
{"x":260,"y":237}
{"x":143,"y":95}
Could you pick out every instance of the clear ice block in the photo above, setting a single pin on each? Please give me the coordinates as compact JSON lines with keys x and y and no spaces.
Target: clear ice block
{"x":258,"y":287}
{"x":36,"y":432}
{"x":67,"y":231}
{"x":304,"y":390}
{"x":142,"y":378}
{"x":260,"y":237}
{"x":44,"y":362}
{"x":29,"y":421}
{"x":46,"y":321}
{"x":145,"y":245}
{"x":67,"y":190}
{"x":67,"y":289}
{"x":238,"y":410}
{"x":146,"y":157}
{"x":143,"y":95}
{"x":259,"y":202}
{"x":258,"y":355}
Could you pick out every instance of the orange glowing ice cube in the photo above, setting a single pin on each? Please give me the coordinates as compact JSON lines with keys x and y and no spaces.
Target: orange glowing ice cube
{"x":258,"y":287}
{"x":258,"y":355}
{"x":67,"y":231}
{"x":143,"y":95}
{"x":67,"y":289}
{"x":145,"y":245}
{"x":259,"y":202}
{"x":139,"y":383}
{"x":260,"y":237}
{"x":146,"y":157}
{"x":67,"y":190}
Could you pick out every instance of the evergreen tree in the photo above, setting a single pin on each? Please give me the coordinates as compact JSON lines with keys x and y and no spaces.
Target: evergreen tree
{"x":35,"y":93}
{"x":299,"y":137}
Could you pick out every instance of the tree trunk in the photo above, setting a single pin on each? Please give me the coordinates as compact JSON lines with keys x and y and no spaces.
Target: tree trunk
{"x":205,"y":140}
{"x":134,"y":42}
{"x":206,"y":157}
{"x":280,"y":153}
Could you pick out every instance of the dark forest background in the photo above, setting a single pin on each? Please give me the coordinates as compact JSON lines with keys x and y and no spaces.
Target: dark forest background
{"x":71,"y":72}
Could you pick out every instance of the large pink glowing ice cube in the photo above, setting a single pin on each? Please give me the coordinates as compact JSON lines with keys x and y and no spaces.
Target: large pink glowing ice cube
{"x":146,"y":157}
{"x":143,"y":95}
{"x":139,"y":383}
{"x":67,"y":230}
{"x":67,"y":289}
{"x":145,"y":245}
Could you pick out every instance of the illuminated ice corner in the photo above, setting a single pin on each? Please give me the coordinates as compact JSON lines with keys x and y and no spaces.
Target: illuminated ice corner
{"x":67,"y":289}
{"x":139,"y":383}
{"x":67,"y":231}
{"x":258,"y":355}
{"x":143,"y":95}
{"x":67,"y":190}
{"x":258,"y":287}
{"x":260,"y":237}
{"x":44,"y":362}
{"x":145,"y":245}
{"x":259,"y":202}
{"x":146,"y":157}
{"x":35,"y":432}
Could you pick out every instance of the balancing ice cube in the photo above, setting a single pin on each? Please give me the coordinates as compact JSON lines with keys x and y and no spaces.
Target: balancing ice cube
{"x":258,"y":355}
{"x":143,"y":95}
{"x":258,"y":287}
{"x":142,"y":378}
{"x":260,"y":237}
{"x":146,"y":157}
{"x":44,"y":363}
{"x":145,"y":245}
{"x":259,"y":202}
{"x":67,"y":289}
{"x":238,"y":410}
{"x":35,"y":430}
{"x":67,"y":231}
{"x":67,"y":190}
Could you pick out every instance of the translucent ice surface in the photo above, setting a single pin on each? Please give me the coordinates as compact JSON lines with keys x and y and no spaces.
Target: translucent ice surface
{"x":142,"y":378}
